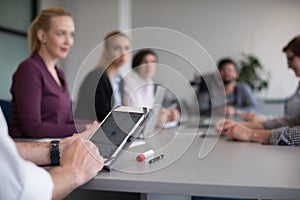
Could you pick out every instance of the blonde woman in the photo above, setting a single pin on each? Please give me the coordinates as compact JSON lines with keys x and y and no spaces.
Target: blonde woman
{"x":41,"y":105}
{"x":103,"y":87}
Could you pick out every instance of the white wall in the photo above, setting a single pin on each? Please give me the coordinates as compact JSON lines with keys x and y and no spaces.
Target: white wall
{"x":223,"y":28}
{"x":229,"y":27}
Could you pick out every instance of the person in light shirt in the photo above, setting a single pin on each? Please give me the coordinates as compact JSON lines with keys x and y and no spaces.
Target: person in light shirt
{"x":139,"y":88}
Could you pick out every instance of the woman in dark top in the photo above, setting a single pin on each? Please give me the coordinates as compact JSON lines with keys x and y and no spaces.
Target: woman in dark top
{"x":102,"y":89}
{"x":41,"y":106}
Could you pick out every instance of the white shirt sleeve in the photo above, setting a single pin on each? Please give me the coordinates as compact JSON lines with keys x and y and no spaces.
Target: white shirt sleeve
{"x":20,"y":179}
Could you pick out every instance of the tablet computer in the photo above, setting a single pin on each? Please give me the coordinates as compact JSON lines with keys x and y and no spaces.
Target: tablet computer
{"x":117,"y":128}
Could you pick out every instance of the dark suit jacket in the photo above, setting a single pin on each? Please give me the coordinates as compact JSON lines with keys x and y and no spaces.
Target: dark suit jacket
{"x":104,"y":100}
{"x":95,"y":98}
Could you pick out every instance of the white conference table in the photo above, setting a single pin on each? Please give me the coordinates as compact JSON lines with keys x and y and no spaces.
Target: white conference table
{"x":231,"y":169}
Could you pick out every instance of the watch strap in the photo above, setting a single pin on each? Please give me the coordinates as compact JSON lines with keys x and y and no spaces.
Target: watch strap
{"x":54,"y":152}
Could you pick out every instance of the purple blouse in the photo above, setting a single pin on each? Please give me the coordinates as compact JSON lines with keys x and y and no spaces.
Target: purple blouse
{"x":40,"y":107}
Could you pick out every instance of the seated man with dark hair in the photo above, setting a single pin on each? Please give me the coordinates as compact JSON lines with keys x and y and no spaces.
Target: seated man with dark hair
{"x":238,"y":94}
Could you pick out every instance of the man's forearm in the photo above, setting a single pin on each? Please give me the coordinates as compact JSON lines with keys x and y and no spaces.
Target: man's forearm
{"x":39,"y":152}
{"x":36,"y":152}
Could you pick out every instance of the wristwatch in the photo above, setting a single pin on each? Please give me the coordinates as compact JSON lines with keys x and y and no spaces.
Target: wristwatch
{"x":54,"y":152}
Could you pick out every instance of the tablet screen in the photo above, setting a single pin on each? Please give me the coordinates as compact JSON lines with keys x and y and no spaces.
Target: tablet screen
{"x":113,"y":131}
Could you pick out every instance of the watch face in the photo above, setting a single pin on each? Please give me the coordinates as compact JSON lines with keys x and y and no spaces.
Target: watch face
{"x":55,"y":153}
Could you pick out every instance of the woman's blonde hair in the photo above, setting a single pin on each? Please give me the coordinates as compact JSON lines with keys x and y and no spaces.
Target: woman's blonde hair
{"x":43,"y":21}
{"x":104,"y":61}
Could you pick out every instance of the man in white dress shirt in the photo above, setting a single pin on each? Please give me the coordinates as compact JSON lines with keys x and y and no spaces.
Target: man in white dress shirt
{"x":21,"y":178}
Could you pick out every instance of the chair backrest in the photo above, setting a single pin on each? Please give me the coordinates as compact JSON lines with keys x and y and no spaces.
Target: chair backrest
{"x":5,"y":106}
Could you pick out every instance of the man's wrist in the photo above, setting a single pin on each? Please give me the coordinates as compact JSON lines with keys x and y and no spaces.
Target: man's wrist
{"x":65,"y":143}
{"x":63,"y":146}
{"x":262,"y":136}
